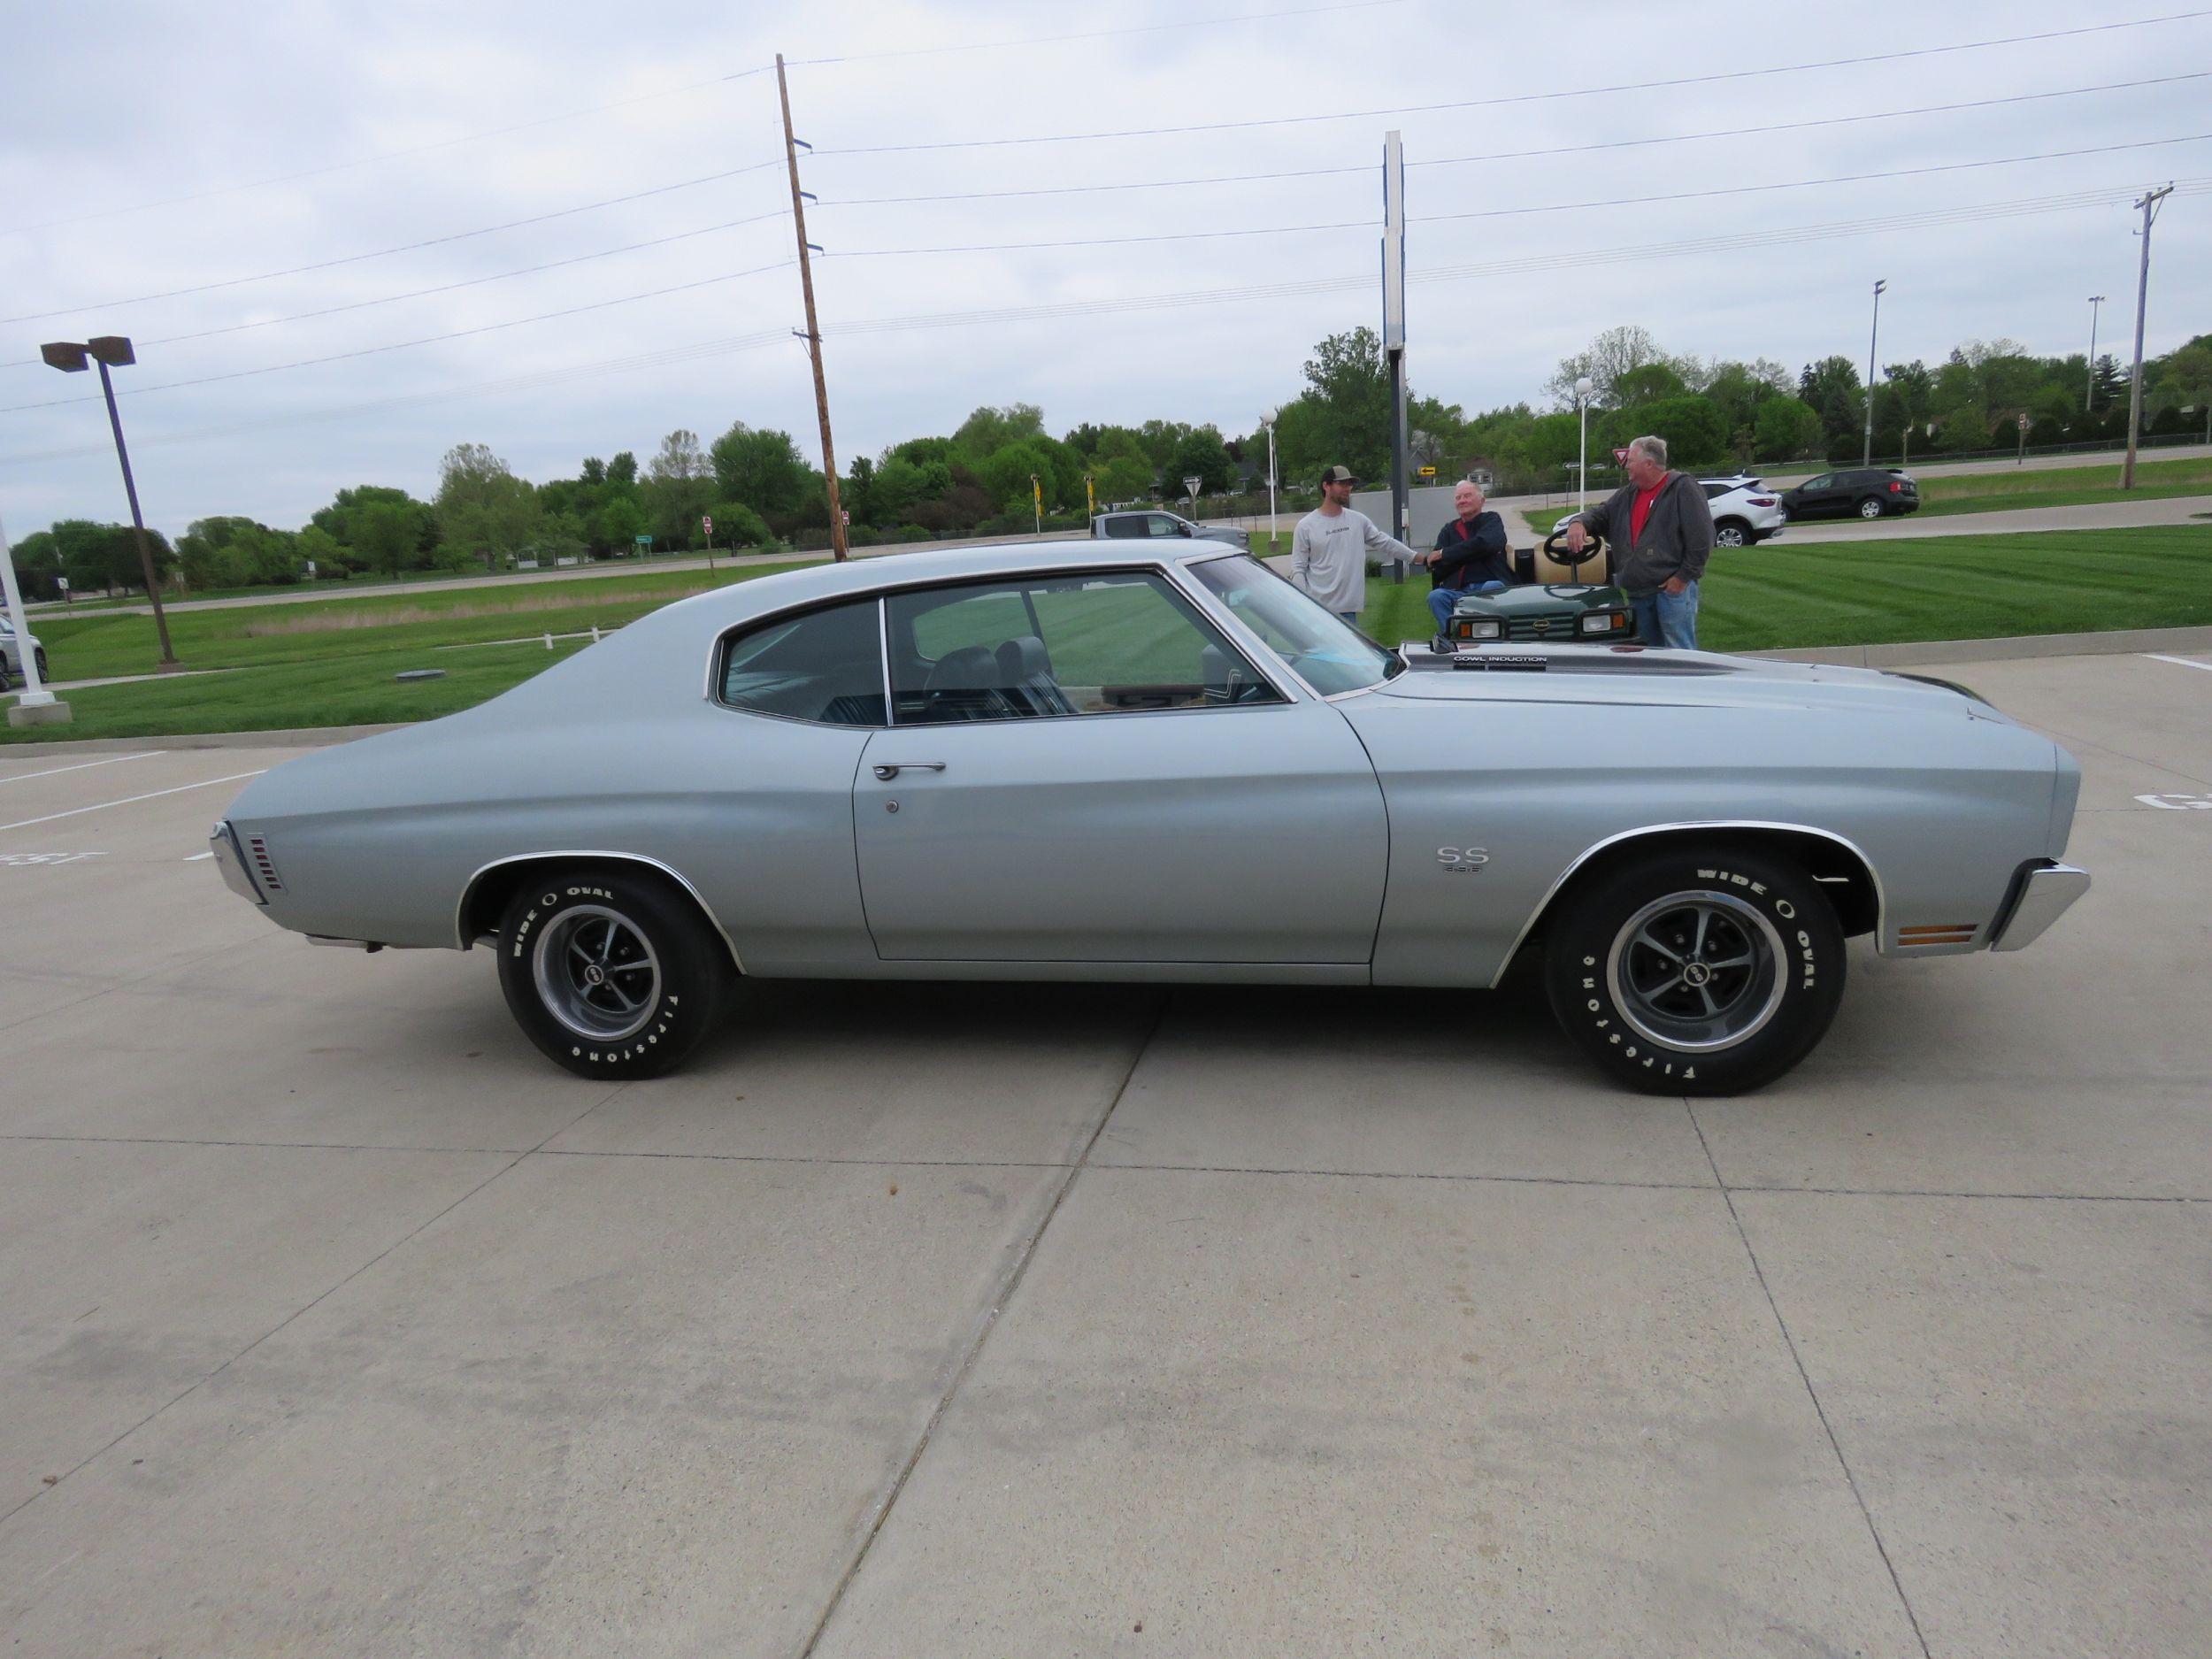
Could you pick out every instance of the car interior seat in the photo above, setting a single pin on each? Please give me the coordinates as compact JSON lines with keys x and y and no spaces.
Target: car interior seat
{"x":1026,"y":677}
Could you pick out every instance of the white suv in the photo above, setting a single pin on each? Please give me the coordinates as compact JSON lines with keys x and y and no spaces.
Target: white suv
{"x":1744,"y":511}
{"x":11,"y":654}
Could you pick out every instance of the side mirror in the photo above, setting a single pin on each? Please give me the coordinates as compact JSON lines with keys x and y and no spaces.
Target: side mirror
{"x":1183,"y":527}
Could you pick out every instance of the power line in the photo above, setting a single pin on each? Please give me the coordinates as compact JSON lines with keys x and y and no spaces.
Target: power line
{"x":1242,"y":293}
{"x":1523,"y":98}
{"x":411,"y":247}
{"x":402,"y":345}
{"x":1508,"y":212}
{"x":1515,"y":155}
{"x":669,"y":92}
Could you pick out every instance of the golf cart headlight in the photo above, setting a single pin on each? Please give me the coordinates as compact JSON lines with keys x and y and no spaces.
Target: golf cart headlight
{"x":1600,"y":622}
{"x":1482,"y":628}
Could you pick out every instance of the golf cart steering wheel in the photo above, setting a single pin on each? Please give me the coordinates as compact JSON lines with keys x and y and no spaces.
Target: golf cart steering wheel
{"x":1555,"y":549}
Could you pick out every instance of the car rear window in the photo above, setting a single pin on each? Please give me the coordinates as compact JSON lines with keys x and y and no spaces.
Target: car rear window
{"x":825,"y":666}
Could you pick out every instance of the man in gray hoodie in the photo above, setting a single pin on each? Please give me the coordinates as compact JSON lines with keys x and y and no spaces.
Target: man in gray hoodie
{"x":1330,"y":548}
{"x":1660,"y":529}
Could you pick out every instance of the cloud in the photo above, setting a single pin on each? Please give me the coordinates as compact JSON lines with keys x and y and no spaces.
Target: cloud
{"x":181,"y":104}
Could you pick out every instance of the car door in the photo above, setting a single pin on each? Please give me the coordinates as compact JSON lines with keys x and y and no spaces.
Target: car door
{"x":1083,"y":768}
{"x":1817,"y":497}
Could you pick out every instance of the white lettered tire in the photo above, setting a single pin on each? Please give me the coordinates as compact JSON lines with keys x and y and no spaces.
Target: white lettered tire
{"x":612,"y":970}
{"x":1696,"y":969}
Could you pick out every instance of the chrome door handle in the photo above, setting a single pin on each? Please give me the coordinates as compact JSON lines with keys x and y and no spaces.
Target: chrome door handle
{"x":892,"y":769}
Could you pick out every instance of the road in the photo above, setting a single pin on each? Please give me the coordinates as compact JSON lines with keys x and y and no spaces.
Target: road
{"x":1025,"y":1320}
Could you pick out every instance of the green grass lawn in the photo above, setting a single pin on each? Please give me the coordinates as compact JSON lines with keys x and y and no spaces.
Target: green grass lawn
{"x":1945,"y":588}
{"x":351,"y":690}
{"x":93,"y":647}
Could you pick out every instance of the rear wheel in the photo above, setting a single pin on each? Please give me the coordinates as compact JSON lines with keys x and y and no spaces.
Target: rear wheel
{"x":1697,"y":971}
{"x":611,"y":972}
{"x":1732,"y":532}
{"x":1871,"y":508}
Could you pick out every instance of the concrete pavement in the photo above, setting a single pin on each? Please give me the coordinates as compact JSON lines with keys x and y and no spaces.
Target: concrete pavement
{"x":943,"y":1320}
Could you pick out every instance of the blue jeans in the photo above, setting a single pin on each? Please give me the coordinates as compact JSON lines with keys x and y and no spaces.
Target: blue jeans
{"x":1442,"y":599}
{"x":1669,"y":620}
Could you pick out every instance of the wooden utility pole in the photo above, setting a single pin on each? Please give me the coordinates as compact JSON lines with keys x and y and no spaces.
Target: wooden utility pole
{"x":2149,"y":205}
{"x":813,"y":335}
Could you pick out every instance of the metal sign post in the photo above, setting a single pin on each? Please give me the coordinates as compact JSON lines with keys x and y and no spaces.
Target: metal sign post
{"x":1190,"y":489}
{"x":1394,"y":330}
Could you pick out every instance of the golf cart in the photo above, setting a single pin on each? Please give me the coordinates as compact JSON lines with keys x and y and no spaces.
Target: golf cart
{"x":1540,"y":609}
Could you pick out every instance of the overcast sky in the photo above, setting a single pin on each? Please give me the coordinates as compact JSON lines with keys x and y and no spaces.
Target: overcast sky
{"x":140,"y":141}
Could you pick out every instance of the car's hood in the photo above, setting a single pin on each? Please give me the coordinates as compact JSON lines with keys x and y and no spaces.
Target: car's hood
{"x":1615,"y":674}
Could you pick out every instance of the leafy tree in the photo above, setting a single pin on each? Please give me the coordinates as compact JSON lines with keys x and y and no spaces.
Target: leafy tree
{"x":622,"y":473}
{"x":1831,"y":387}
{"x":680,"y":485}
{"x":736,"y":524}
{"x":1615,"y":352}
{"x":484,"y":510}
{"x":616,"y":525}
{"x":2108,"y":387}
{"x":386,"y":535}
{"x":1651,"y":383}
{"x":340,"y":520}
{"x":37,"y":566}
{"x":988,"y":430}
{"x":1123,"y":477}
{"x":1347,"y":417}
{"x":1202,"y":454}
{"x":761,"y":467}
{"x":1787,"y":429}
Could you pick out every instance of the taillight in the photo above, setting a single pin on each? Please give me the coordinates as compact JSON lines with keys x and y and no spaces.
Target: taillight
{"x":1762,"y":501}
{"x":1895,"y":489}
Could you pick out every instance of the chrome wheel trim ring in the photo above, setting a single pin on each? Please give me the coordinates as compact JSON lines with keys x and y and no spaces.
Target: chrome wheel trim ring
{"x":1738,"y":999}
{"x":596,"y":973}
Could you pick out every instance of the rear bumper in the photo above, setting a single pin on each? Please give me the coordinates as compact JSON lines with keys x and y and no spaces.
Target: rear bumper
{"x":2041,"y":893}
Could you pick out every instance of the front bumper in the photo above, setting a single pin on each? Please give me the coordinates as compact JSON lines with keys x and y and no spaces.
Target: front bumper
{"x":2041,"y":893}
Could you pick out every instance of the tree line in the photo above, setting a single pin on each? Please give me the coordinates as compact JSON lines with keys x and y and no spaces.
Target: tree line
{"x":999,"y":471}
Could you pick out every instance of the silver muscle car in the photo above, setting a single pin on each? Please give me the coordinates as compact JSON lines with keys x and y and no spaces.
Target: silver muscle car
{"x":1118,"y":762}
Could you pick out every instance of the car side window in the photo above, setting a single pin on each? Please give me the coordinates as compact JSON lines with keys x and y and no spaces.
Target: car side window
{"x":1714,"y":492}
{"x":1123,"y":525}
{"x":1117,"y":642}
{"x":823,"y":666}
{"x":1823,"y":482}
{"x":1163,"y":524}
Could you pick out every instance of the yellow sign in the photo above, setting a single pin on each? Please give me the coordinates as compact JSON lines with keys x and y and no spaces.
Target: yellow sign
{"x":1427,"y":471}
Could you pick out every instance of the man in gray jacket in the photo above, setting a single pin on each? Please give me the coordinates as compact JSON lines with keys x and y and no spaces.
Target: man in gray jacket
{"x":1329,"y":549}
{"x":1660,"y":529}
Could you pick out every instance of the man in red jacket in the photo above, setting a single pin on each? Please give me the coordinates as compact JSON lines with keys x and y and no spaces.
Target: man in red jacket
{"x":1660,"y":529}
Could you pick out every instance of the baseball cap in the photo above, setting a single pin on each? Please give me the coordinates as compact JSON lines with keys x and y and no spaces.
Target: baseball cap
{"x":1338,"y":475}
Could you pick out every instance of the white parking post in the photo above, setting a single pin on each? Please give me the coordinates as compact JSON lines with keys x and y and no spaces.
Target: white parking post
{"x":37,"y":706}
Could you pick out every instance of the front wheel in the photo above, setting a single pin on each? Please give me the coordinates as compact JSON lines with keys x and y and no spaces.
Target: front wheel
{"x":611,"y":971}
{"x":1871,"y":508}
{"x":1703,"y":970}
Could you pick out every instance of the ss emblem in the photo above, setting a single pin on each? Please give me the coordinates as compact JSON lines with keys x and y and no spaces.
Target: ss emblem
{"x":1463,"y":860}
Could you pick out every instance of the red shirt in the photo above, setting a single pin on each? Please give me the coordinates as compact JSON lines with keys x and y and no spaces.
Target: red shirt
{"x":1640,"y":510}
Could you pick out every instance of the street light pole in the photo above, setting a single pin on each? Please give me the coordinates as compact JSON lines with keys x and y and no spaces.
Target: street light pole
{"x":1875,"y":335}
{"x":1267,"y":420}
{"x":70,"y":359}
{"x":2089,"y":392}
{"x":1583,"y":388}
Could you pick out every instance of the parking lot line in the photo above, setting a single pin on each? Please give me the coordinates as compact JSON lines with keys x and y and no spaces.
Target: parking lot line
{"x":128,"y":799}
{"x":24,"y":777}
{"x":2184,"y":662}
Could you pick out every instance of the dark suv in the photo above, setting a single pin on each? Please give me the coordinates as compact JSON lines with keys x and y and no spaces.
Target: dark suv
{"x":1858,"y":492}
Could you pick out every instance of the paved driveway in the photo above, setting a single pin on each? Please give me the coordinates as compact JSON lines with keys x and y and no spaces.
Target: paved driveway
{"x":992,"y":1320}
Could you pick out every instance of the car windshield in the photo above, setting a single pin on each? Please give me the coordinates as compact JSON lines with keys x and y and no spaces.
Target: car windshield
{"x":1330,"y":655}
